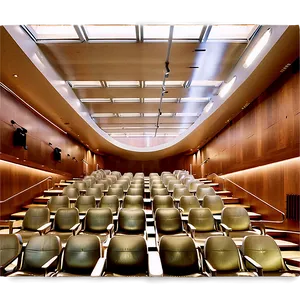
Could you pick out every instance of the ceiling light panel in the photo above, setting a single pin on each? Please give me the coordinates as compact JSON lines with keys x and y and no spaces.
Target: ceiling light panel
{"x":175,"y":126}
{"x":84,"y":84}
{"x":187,"y":114}
{"x":123,"y":83}
{"x":110,"y":32}
{"x":150,"y":114}
{"x":194,"y":100}
{"x":231,"y":32}
{"x":95,"y":100}
{"x":213,"y":83}
{"x":126,"y":100}
{"x":169,"y":83}
{"x":156,"y":32}
{"x":103,"y":115}
{"x":226,"y":87}
{"x":129,"y":115}
{"x":111,"y":128}
{"x":157,"y":100}
{"x":183,"y":32}
{"x":53,"y":32}
{"x":166,"y":115}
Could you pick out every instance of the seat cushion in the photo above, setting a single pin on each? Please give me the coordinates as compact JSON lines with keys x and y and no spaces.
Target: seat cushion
{"x":27,"y":234}
{"x":237,"y":274}
{"x":103,"y":236}
{"x":62,"y":235}
{"x":26,"y":273}
{"x":66,"y":274}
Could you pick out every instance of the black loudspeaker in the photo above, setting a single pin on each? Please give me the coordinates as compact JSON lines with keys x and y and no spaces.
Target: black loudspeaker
{"x":57,"y":154}
{"x":20,"y":138}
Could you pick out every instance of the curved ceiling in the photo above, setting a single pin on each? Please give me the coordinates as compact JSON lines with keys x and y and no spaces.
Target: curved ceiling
{"x":183,"y":124}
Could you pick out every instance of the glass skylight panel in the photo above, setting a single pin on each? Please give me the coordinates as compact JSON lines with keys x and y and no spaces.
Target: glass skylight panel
{"x":53,"y":32}
{"x":174,"y":83}
{"x":167,"y":83}
{"x":153,"y":83}
{"x":187,"y":114}
{"x":231,"y":32}
{"x":187,"y":31}
{"x":177,"y":126}
{"x":194,"y":100}
{"x":166,"y":115}
{"x":126,"y":100}
{"x":123,"y":83}
{"x":129,"y":115}
{"x":195,"y":83}
{"x":110,"y":32}
{"x":151,"y":100}
{"x":103,"y":115}
{"x":156,"y":31}
{"x":84,"y":84}
{"x":95,"y":100}
{"x":150,"y":114}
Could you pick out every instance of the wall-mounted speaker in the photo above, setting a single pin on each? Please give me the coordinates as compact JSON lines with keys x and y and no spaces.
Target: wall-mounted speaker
{"x":20,"y":138}
{"x":57,"y":154}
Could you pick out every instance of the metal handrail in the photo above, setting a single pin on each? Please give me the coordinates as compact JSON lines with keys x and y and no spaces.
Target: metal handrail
{"x":11,"y":197}
{"x":261,"y":200}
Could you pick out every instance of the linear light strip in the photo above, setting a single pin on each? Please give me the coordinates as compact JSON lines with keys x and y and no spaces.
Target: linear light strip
{"x":15,"y":95}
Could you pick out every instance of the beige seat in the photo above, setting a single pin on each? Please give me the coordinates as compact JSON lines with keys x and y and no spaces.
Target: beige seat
{"x":118,"y":191}
{"x":117,"y":185}
{"x":136,"y":191}
{"x":83,"y":203}
{"x":94,"y":191}
{"x":222,"y":258}
{"x":80,"y":256}
{"x":179,"y":257}
{"x":214,"y":203}
{"x":71,"y":193}
{"x":56,"y":202}
{"x":171,"y":183}
{"x":203,"y":190}
{"x":188,"y":202}
{"x":116,"y":173}
{"x":162,"y":201}
{"x":187,"y":178}
{"x":179,"y":192}
{"x":133,"y":201}
{"x":262,"y":254}
{"x":235,"y":222}
{"x":10,"y":250}
{"x":99,"y":185}
{"x":157,"y":185}
{"x":110,"y":201}
{"x":124,"y":183}
{"x":105,"y":182}
{"x":41,"y":255}
{"x":81,"y":185}
{"x":202,"y":225}
{"x":193,"y":185}
{"x":158,"y":191}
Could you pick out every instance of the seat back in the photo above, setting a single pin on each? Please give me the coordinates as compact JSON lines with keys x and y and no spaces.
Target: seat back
{"x":180,"y":191}
{"x":39,"y":250}
{"x":222,"y":253}
{"x":94,"y":191}
{"x":83,"y":203}
{"x":189,"y":202}
{"x":264,"y":250}
{"x":81,"y":185}
{"x":110,"y":201}
{"x":35,"y":217}
{"x":133,"y":201}
{"x":127,"y":255}
{"x":187,"y":178}
{"x":99,"y":185}
{"x":71,"y":192}
{"x":136,"y":191}
{"x":97,"y":219}
{"x":202,"y":219}
{"x":171,"y":184}
{"x":116,"y":173}
{"x":157,"y":185}
{"x":132,"y":221}
{"x":158,"y":191}
{"x":105,"y":183}
{"x":193,"y":185}
{"x":214,"y":203}
{"x":117,"y":185}
{"x":118,"y":191}
{"x":124,"y":183}
{"x":167,"y":178}
{"x":203,"y":190}
{"x":56,"y":202}
{"x":236,"y":218}
{"x":81,"y":254}
{"x":162,"y":201}
{"x":65,"y":218}
{"x":178,"y":255}
{"x":168,"y":221}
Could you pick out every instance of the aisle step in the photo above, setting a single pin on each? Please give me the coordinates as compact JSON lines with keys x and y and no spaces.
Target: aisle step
{"x":230,"y":200}
{"x":223,"y":193}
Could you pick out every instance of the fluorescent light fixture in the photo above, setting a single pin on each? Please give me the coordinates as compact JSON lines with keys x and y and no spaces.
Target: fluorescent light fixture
{"x":166,"y":115}
{"x":156,"y":31}
{"x":53,"y":32}
{"x":150,"y":114}
{"x":129,"y":115}
{"x":187,"y":114}
{"x":117,"y":134}
{"x":193,"y":100}
{"x":126,"y":100}
{"x":208,"y":106}
{"x":111,"y":128}
{"x":84,"y":84}
{"x":95,"y":100}
{"x":138,"y":127}
{"x":169,"y":83}
{"x":103,"y":115}
{"x":213,"y":83}
{"x":123,"y":83}
{"x":257,"y":48}
{"x":187,"y":31}
{"x":148,"y":100}
{"x":226,"y":87}
{"x":166,"y":134}
{"x":183,"y":126}
{"x":153,"y":83}
{"x":231,"y":32}
{"x":110,"y":32}
{"x":169,"y":100}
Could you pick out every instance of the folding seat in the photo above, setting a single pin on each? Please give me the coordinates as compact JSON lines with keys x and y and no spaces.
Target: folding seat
{"x":94,"y":191}
{"x":179,"y":192}
{"x":171,"y":183}
{"x":105,"y":182}
{"x":186,"y":178}
{"x":41,"y":255}
{"x":103,"y":174}
{"x":128,"y":256}
{"x":167,"y":222}
{"x":214,"y":203}
{"x":166,"y":179}
{"x":180,"y":257}
{"x":110,"y":201}
{"x":107,"y":172}
{"x":117,"y":185}
{"x":66,"y":223}
{"x":81,"y":185}
{"x":133,"y":201}
{"x":156,"y":185}
{"x":222,"y":258}
{"x":262,"y":254}
{"x":188,"y":202}
{"x":235,"y":222}
{"x":56,"y":202}
{"x":124,"y":183}
{"x":139,"y":174}
{"x":99,"y":185}
{"x":162,"y":201}
{"x":34,"y":220}
{"x":158,"y":191}
{"x":80,"y":256}
{"x":175,"y":172}
{"x":201,"y":224}
{"x":118,"y":191}
{"x":137,"y":181}
{"x":136,"y":191}
{"x":116,"y":173}
{"x":72,"y":193}
{"x":203,"y":190}
{"x":10,"y":250}
{"x":182,"y":174}
{"x":83,"y":203}
{"x":193,"y":185}
{"x":129,"y":175}
{"x":112,"y":178}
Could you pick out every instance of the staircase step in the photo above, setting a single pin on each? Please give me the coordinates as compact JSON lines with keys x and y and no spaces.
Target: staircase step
{"x":201,"y":179}
{"x":223,"y":193}
{"x":33,"y":205}
{"x":238,"y":205}
{"x":55,"y":192}
{"x":41,"y":199}
{"x":230,"y":200}
{"x":206,"y":181}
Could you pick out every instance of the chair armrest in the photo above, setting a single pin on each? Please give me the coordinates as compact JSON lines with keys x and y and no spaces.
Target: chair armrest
{"x":212,"y":270}
{"x":2,"y":267}
{"x":76,"y":228}
{"x":255,"y":264}
{"x":192,"y":229}
{"x":99,"y":267}
{"x":110,"y":228}
{"x":46,"y":265}
{"x":181,"y":210}
{"x":154,"y":264}
{"x":44,"y":228}
{"x":225,"y":228}
{"x":7,"y":223}
{"x":261,"y":228}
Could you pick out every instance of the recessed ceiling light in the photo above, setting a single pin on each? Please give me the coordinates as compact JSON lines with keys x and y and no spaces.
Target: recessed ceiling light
{"x":226,"y":87}
{"x":129,"y":115}
{"x":203,"y":99}
{"x":126,"y":100}
{"x":208,"y":106}
{"x":150,"y":114}
{"x":103,"y":115}
{"x":213,"y":83}
{"x":84,"y":84}
{"x":170,"y":83}
{"x":96,"y":100}
{"x":187,"y":114}
{"x":166,"y":115}
{"x":15,"y":75}
{"x":123,"y":83}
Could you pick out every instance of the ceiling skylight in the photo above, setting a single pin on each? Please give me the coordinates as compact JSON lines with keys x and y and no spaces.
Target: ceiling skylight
{"x":103,"y":115}
{"x":53,"y":32}
{"x":156,"y":31}
{"x":231,"y":32}
{"x":187,"y":114}
{"x":129,"y":115}
{"x":196,"y":83}
{"x":84,"y":84}
{"x":126,"y":100}
{"x":123,"y":83}
{"x":150,"y":114}
{"x":95,"y":100}
{"x":169,"y":83}
{"x":194,"y":100}
{"x":110,"y":32}
{"x":166,"y":115}
{"x":187,"y":31}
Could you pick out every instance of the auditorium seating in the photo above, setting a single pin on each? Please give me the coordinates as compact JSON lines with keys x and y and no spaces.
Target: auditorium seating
{"x":133,"y":201}
{"x":186,"y":203}
{"x":110,"y":201}
{"x":56,"y":202}
{"x":214,"y":203}
{"x":83,"y":203}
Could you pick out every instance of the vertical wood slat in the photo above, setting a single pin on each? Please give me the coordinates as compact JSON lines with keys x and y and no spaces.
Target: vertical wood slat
{"x":293,"y":207}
